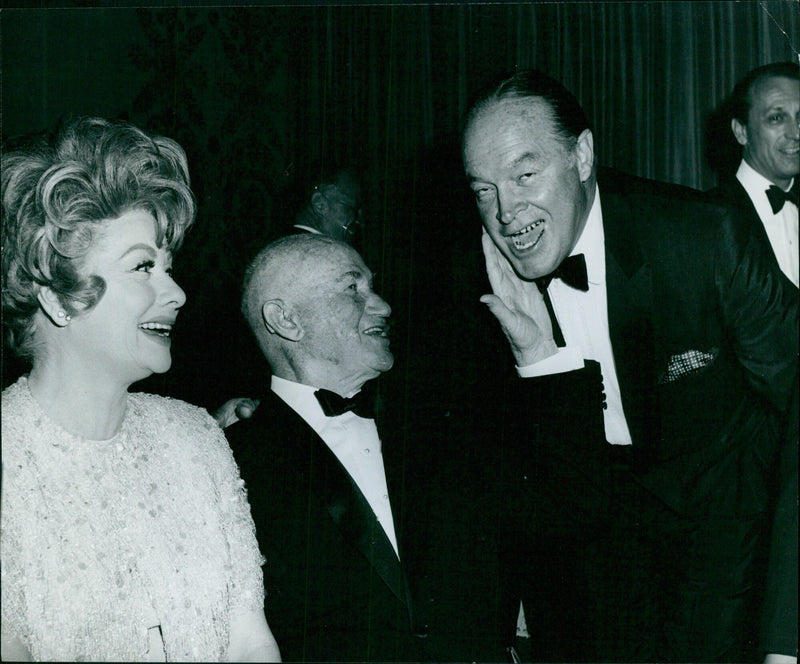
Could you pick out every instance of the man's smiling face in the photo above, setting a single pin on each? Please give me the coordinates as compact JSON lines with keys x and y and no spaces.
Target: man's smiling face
{"x":529,"y":185}
{"x":770,"y":137}
{"x":345,"y":323}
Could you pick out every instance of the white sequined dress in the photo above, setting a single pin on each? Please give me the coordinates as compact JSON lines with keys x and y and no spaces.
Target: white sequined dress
{"x":103,"y":540}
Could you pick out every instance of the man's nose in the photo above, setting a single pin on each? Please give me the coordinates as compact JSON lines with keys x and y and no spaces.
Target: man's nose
{"x":508,"y":206}
{"x":794,"y":130}
{"x":379,"y":306}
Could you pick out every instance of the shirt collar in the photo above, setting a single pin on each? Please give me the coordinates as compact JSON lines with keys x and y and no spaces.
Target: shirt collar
{"x":756,"y":186}
{"x":309,"y":229}
{"x":751,"y":178}
{"x":592,"y":243}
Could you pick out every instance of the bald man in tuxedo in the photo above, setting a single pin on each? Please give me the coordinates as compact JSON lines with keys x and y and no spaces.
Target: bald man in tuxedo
{"x":325,"y":490}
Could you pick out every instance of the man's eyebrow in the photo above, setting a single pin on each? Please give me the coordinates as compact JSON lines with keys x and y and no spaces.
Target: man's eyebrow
{"x":526,"y":156}
{"x":777,"y":106}
{"x":350,"y":274}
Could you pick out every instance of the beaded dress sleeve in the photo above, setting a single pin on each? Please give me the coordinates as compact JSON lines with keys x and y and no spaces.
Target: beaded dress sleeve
{"x":247,"y":589}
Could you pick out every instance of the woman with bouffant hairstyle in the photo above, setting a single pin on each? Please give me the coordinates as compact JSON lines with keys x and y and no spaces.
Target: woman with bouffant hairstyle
{"x":126,"y":532}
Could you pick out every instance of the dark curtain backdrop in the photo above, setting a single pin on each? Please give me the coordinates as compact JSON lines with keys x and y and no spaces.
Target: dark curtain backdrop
{"x":256,"y":95}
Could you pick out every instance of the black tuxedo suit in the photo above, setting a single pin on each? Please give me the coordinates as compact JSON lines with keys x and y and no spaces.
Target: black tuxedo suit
{"x":335,"y":590}
{"x":779,"y":618}
{"x":682,"y":274}
{"x":730,"y":192}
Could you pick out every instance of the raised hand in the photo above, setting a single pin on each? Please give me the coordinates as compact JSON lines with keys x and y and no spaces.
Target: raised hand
{"x":519,"y":307}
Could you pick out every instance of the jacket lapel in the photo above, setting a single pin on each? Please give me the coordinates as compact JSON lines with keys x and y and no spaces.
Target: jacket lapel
{"x":629,"y":288}
{"x":351,"y":513}
{"x":733,"y":193}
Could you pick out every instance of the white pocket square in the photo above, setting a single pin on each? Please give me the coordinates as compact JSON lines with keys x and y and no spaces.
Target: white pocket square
{"x":686,"y":363}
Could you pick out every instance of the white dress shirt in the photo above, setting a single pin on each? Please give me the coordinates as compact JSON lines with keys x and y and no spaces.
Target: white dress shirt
{"x":583,"y":318}
{"x":355,"y":442}
{"x":781,"y":228}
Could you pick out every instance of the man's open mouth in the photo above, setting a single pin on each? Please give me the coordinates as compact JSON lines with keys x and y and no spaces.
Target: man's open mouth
{"x":526,"y":238}
{"x":377,"y":331}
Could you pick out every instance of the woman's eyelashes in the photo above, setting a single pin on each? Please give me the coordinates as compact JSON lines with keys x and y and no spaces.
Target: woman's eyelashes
{"x":145,"y":266}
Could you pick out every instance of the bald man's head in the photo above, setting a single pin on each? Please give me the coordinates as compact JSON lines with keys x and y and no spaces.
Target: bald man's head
{"x":281,"y":271}
{"x":309,"y":301}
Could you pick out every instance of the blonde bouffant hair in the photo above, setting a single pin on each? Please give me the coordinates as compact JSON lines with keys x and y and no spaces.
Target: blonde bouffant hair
{"x":59,"y":190}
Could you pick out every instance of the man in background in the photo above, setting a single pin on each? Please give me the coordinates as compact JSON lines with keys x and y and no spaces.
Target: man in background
{"x":764,"y":110}
{"x":333,"y":207}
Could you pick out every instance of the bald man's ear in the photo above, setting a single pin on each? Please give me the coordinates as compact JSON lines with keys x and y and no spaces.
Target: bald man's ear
{"x":280,"y":319}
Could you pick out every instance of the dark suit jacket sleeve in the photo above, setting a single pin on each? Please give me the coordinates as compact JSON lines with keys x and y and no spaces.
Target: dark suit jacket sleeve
{"x":779,"y":617}
{"x":760,"y":309}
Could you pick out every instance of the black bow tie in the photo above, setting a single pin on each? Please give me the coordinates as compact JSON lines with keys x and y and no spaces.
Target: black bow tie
{"x":572,"y":272}
{"x":777,"y":196}
{"x":362,"y":403}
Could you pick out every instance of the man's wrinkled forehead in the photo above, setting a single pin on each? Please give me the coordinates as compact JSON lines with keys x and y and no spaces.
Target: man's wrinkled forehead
{"x":333,"y":264}
{"x":769,"y":90}
{"x":533,"y":113}
{"x":499,"y":126}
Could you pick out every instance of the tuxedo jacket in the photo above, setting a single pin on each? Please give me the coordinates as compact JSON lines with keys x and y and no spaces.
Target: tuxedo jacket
{"x":335,"y":590}
{"x":731,"y":192}
{"x":779,"y":622}
{"x":685,"y":275}
{"x":704,"y":332}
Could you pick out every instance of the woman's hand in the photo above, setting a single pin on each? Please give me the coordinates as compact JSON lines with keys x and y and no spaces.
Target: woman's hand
{"x":252,"y":639}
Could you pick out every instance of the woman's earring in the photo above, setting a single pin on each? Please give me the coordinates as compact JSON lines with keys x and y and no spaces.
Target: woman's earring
{"x":61,"y":314}
{"x":64,"y":315}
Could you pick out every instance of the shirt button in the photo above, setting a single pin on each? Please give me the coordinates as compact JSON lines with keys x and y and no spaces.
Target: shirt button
{"x":366,"y":450}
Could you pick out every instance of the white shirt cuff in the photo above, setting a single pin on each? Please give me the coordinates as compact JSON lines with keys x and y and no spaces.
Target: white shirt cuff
{"x":566,"y":359}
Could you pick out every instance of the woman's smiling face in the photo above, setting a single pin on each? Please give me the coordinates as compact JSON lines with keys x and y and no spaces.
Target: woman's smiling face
{"x":127,"y":333}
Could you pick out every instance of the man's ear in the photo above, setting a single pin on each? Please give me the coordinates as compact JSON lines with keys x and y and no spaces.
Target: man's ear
{"x":584,"y":154}
{"x":318,"y":203}
{"x":51,"y":306}
{"x":281,"y":320}
{"x":739,"y":131}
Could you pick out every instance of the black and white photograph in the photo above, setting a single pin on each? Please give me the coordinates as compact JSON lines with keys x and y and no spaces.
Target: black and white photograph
{"x":400,"y":331}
